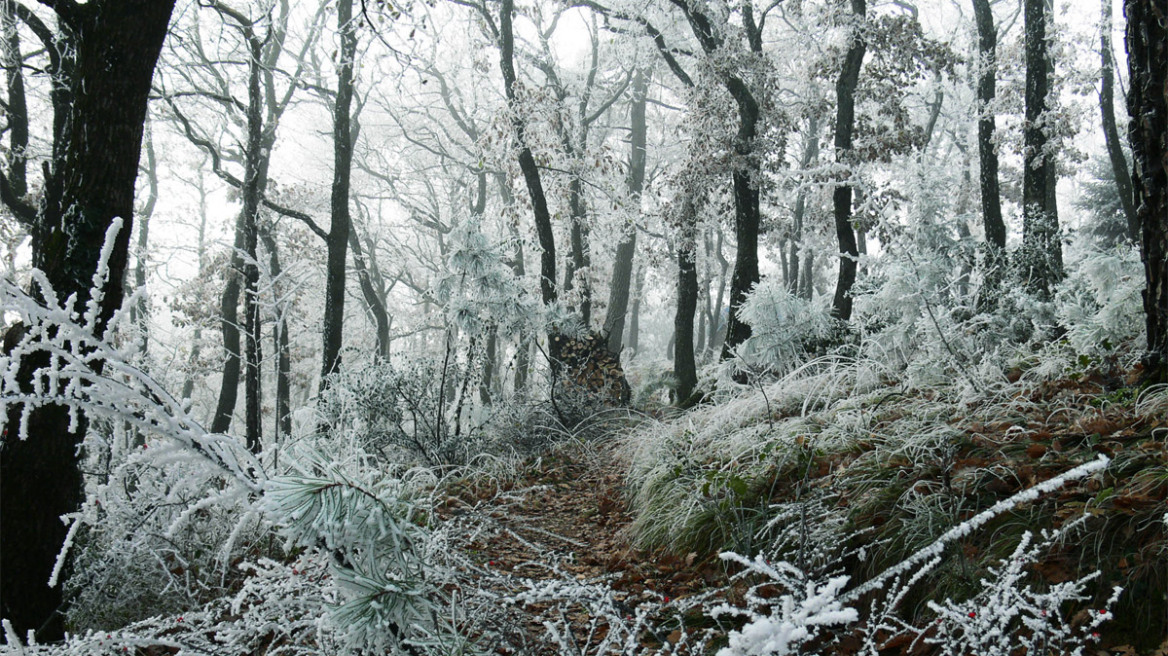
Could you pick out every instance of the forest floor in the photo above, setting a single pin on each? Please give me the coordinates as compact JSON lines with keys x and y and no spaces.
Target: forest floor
{"x":569,"y":507}
{"x":566,"y":515}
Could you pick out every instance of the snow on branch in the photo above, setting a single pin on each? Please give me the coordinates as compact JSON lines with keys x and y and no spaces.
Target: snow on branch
{"x":62,"y":357}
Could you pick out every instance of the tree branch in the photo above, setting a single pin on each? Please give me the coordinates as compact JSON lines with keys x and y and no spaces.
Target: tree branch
{"x":217,"y":167}
{"x":24,"y":212}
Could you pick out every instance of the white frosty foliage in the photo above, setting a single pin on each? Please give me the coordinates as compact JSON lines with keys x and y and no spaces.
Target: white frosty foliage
{"x":121,"y":392}
{"x":790,"y":621}
{"x":784,"y":327}
{"x":806,"y":607}
{"x":362,"y":520}
{"x":1008,"y":614}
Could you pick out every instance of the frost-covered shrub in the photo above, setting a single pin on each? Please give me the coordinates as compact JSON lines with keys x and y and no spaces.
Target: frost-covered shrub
{"x":802,"y":606}
{"x":782,"y":625}
{"x":1008,"y":614}
{"x":160,"y":534}
{"x":785,"y":329}
{"x":1099,"y":303}
{"x":365,"y":522}
{"x":178,"y":521}
{"x":168,"y":504}
{"x":411,"y":410}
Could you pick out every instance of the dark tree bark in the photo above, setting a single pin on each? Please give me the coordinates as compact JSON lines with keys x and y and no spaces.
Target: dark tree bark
{"x":622,"y":272}
{"x":16,"y":108}
{"x":1041,"y":243}
{"x":991,"y":201}
{"x":845,"y":91}
{"x":243,"y":276}
{"x":531,"y":177}
{"x":1119,"y":165}
{"x":280,"y":341}
{"x":338,"y":237}
{"x":684,"y":365}
{"x":113,"y":47}
{"x":1147,"y":104}
{"x":810,"y":155}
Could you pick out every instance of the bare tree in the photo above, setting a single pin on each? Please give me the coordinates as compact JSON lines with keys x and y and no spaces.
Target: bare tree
{"x":1119,"y":164}
{"x":991,"y":202}
{"x":103,"y":60}
{"x":1042,"y":251}
{"x":845,"y":120}
{"x":1147,"y":104}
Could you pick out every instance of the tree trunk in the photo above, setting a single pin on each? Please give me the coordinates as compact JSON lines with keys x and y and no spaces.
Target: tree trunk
{"x":810,"y":155}
{"x":845,"y":91}
{"x":338,"y":238}
{"x":16,"y":109}
{"x":1041,"y":244}
{"x":140,"y":310}
{"x":618,"y":298}
{"x":243,"y":275}
{"x":635,"y":313}
{"x":531,"y":177}
{"x":806,"y":282}
{"x":374,"y":294}
{"x":114,"y":47}
{"x":1147,"y":104}
{"x":991,"y":202}
{"x":188,"y":387}
{"x":580,"y":260}
{"x":684,"y":365}
{"x":716,"y":318}
{"x":746,"y":217}
{"x":1119,"y":165}
{"x":519,"y":269}
{"x":487,"y":380}
{"x":280,"y":340}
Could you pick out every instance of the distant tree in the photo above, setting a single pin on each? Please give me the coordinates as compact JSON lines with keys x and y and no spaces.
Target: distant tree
{"x":338,"y":236}
{"x":622,"y":274}
{"x":1120,"y":173}
{"x":1041,"y":257}
{"x":527,"y":165}
{"x":102,"y":59}
{"x":991,"y":201}
{"x":684,"y":365}
{"x":266,"y":96}
{"x":1101,"y":202}
{"x":16,"y":107}
{"x":845,"y":121}
{"x":1147,"y":105}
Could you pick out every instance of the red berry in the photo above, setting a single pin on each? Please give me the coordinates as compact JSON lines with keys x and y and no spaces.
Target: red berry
{"x":972,"y":614}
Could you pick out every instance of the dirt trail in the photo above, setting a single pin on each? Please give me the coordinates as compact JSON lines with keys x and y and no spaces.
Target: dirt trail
{"x":570,"y":509}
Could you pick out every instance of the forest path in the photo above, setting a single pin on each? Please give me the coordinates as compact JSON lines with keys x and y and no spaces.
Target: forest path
{"x":570,"y":508}
{"x":566,"y":518}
